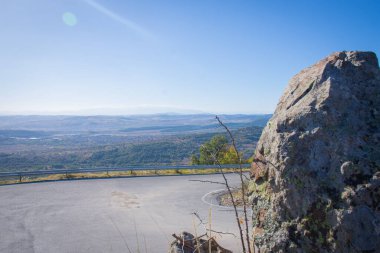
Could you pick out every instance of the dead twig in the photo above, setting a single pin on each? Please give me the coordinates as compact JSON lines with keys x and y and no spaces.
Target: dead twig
{"x":206,"y":181}
{"x":233,"y":203}
{"x":223,"y":233}
{"x":242,"y":184}
{"x":211,"y":182}
{"x":196,"y":237}
{"x":238,"y":173}
{"x":209,"y":230}
{"x":199,"y":218}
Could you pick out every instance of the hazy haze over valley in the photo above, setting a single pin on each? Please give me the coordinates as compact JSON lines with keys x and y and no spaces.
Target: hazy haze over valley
{"x":48,"y":142}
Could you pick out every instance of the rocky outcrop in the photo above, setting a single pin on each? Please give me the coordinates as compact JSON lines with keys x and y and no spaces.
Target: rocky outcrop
{"x":315,"y":183}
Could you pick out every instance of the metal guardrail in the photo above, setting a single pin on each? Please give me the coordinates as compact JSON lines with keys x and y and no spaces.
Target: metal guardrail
{"x":21,"y":174}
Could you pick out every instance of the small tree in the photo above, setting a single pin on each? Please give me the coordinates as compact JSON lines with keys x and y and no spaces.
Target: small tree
{"x":217,"y":145}
{"x":230,"y":156}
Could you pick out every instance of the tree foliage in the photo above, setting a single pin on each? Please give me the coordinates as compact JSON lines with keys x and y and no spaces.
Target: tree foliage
{"x":216,"y":149}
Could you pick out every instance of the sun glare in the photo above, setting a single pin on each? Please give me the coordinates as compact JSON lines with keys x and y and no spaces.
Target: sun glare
{"x":69,"y":19}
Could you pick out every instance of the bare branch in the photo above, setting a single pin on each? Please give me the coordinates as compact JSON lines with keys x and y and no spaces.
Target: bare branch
{"x":211,"y":182}
{"x":238,"y":173}
{"x":263,"y":161}
{"x":223,"y":233}
{"x":199,"y":218}
{"x":206,"y":181}
{"x":233,"y":203}
{"x":214,"y":156}
{"x":241,"y":181}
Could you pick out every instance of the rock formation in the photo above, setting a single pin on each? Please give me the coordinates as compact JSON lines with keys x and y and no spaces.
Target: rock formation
{"x":316,"y":177}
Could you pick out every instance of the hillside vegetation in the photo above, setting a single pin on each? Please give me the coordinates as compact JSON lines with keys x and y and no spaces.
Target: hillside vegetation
{"x":167,"y":150}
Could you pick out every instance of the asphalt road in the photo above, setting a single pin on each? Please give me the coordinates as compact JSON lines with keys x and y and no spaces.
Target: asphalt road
{"x":109,"y":215}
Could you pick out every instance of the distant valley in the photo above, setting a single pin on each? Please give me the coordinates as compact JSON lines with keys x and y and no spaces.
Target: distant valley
{"x":46,"y":142}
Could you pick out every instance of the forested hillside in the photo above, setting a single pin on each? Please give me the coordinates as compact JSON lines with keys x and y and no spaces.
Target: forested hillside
{"x":167,"y":150}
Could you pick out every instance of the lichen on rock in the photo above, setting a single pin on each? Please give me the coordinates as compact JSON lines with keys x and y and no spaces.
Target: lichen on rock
{"x":315,"y":181}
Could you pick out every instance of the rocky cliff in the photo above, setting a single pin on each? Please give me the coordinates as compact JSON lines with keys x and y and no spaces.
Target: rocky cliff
{"x":315,"y":183}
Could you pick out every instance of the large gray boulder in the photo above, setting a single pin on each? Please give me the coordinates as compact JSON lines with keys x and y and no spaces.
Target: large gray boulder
{"x":316,"y":179}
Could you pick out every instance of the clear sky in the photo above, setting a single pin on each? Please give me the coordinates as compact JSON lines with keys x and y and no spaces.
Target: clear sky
{"x":218,"y":56}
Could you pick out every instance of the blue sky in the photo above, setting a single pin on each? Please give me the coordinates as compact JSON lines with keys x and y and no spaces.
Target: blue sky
{"x":120,"y":56}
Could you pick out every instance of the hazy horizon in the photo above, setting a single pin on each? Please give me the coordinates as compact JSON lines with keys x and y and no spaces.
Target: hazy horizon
{"x":127,"y":112}
{"x":138,"y":110}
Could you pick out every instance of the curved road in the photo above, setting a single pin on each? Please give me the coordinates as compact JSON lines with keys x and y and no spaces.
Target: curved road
{"x":109,"y":215}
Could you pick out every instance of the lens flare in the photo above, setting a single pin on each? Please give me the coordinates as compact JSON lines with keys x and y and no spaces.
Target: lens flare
{"x":69,"y":19}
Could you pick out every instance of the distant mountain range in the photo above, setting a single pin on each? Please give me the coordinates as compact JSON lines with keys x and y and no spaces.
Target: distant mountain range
{"x":112,"y":111}
{"x":126,"y":125}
